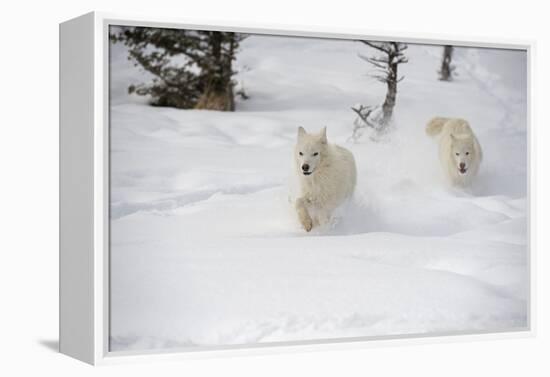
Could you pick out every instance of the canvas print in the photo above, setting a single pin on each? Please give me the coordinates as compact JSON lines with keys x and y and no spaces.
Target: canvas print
{"x":270,"y":189}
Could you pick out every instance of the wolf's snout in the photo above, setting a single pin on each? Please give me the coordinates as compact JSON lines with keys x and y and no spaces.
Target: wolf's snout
{"x":462,"y":165}
{"x":305,"y":167}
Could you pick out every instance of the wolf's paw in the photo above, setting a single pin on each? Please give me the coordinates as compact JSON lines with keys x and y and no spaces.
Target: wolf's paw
{"x":307,"y":223}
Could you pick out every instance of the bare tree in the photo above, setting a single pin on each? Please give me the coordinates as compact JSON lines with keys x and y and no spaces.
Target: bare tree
{"x":386,"y":70}
{"x":446,"y":71}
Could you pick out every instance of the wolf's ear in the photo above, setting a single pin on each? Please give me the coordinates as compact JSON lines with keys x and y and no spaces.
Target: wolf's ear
{"x":323,"y":135}
{"x":301,"y":131}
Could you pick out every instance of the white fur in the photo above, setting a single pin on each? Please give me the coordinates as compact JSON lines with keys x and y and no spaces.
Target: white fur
{"x":459,"y":150}
{"x":331,"y":179}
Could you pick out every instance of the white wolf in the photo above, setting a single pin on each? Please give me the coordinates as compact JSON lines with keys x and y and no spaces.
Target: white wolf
{"x":459,"y":150}
{"x":326,"y":175}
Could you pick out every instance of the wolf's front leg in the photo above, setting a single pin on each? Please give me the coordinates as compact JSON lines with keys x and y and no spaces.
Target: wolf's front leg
{"x":303,"y":214}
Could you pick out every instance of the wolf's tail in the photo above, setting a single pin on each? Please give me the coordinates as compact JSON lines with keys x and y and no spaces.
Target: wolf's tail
{"x":435,"y":126}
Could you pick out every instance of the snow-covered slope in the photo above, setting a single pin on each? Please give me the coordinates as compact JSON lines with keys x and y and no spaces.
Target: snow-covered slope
{"x":205,"y":248}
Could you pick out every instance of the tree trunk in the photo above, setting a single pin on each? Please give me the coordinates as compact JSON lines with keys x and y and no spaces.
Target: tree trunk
{"x":389,"y":102}
{"x":218,"y":91}
{"x":229,"y":73}
{"x":445,"y":73}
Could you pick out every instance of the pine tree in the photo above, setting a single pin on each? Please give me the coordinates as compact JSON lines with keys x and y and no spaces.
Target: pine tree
{"x":191,"y":68}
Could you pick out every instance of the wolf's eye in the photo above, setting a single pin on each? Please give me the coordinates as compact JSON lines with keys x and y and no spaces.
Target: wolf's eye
{"x":315,"y":154}
{"x":458,"y":154}
{"x":467,"y":153}
{"x":301,"y":154}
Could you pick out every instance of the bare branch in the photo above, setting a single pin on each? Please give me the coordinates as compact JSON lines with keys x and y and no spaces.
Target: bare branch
{"x":375,"y":63}
{"x":402,"y":59}
{"x":363,"y":112}
{"x":380,"y":59}
{"x":402,"y":46}
{"x":381,"y":46}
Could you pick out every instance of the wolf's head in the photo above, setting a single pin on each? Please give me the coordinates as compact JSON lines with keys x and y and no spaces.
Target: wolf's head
{"x":310,"y":150}
{"x":462,"y":152}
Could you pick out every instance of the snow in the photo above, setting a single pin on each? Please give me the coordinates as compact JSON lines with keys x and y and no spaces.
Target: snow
{"x":205,"y":247}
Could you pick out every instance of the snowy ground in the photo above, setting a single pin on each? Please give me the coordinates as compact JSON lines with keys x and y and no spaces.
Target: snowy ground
{"x":205,"y":249}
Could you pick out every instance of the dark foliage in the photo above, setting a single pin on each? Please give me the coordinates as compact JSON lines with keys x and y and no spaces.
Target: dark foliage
{"x":191,"y":68}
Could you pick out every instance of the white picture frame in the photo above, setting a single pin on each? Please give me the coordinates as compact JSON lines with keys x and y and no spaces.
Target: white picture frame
{"x":84,"y":190}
